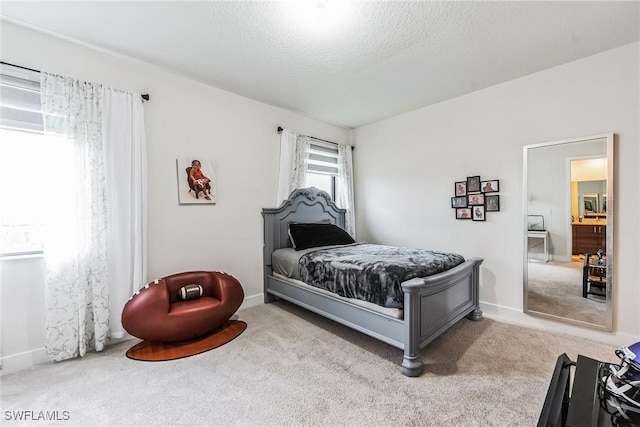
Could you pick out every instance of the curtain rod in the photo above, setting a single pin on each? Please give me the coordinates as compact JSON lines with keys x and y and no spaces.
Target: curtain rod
{"x":280,"y":129}
{"x":144,"y":96}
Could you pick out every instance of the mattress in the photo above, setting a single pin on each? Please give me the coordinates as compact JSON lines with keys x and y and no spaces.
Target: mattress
{"x":396,"y":313}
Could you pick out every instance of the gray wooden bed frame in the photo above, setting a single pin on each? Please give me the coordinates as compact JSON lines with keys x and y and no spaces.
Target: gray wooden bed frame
{"x":431,"y":304}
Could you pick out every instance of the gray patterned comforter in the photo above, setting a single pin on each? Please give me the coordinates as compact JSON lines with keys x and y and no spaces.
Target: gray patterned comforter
{"x":372,"y":273}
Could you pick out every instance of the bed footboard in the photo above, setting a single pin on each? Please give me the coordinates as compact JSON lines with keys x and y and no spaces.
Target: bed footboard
{"x":434,"y":304}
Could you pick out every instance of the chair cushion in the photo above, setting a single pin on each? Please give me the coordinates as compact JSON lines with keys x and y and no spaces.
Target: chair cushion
{"x":190,"y":307}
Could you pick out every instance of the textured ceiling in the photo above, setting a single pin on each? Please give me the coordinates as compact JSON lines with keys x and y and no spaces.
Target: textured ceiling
{"x":371,"y":61}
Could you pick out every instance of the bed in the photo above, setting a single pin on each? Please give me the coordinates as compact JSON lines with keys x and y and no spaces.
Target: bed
{"x":431,"y":305}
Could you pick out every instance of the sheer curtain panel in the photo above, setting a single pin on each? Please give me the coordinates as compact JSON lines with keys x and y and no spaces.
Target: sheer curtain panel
{"x":87,"y":274}
{"x":76,"y":298}
{"x":294,"y":162}
{"x":345,"y":187}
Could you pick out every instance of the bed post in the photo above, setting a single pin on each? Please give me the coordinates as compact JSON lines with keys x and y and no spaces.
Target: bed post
{"x":476,"y":314}
{"x":412,"y":364}
{"x":270,"y":238}
{"x":267,"y":248}
{"x":268,"y":298}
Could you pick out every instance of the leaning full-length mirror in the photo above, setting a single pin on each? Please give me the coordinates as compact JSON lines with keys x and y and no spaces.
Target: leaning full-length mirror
{"x":568,"y":231}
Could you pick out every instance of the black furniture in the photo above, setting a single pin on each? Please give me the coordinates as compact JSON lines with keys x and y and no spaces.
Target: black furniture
{"x":556,"y":404}
{"x":582,"y":407}
{"x":594,"y":276}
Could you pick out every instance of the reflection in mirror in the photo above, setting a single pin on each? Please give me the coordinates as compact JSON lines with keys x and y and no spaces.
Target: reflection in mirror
{"x":589,"y":206}
{"x":568,"y":190}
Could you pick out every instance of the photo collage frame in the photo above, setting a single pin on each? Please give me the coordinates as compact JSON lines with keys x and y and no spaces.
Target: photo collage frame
{"x":473,"y":198}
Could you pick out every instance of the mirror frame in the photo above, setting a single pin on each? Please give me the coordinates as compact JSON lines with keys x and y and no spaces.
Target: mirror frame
{"x":583,"y":208}
{"x":609,"y":137}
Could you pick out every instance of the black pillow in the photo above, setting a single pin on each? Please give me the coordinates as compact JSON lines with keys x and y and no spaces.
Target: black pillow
{"x":304,"y":236}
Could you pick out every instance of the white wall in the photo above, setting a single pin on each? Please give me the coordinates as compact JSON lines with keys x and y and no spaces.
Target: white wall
{"x":405,"y":168}
{"x":184,"y":118}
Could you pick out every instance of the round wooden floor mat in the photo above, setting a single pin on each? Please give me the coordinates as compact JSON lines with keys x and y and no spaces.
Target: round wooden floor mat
{"x":156,"y":352}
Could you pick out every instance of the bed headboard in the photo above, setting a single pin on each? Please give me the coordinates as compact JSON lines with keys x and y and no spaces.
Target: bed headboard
{"x":304,"y":205}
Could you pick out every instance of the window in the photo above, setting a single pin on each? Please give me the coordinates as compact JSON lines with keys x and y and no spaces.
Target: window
{"x":24,"y":156}
{"x":21,"y":186}
{"x":323,"y":168}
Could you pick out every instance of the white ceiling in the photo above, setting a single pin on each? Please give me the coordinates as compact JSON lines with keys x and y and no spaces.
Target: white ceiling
{"x":371,"y":61}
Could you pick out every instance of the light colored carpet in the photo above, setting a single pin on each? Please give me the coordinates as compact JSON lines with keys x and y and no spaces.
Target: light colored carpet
{"x":292,"y":367}
{"x":556,"y":288}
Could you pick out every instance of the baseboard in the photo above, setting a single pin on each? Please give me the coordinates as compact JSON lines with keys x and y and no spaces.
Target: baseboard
{"x":117,"y":335}
{"x":516,"y":317}
{"x":20,"y":361}
{"x":252,"y":301}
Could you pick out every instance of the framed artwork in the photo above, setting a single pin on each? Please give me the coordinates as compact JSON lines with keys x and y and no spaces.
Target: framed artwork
{"x":196,"y":181}
{"x":473,"y":184}
{"x":492,"y":203}
{"x":463,"y":213}
{"x":475,"y":199}
{"x":490,"y":186}
{"x":478,"y":213}
{"x":459,"y":202}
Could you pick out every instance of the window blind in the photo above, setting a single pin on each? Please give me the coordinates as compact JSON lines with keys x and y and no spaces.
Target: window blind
{"x":20,"y":107}
{"x":323,"y":159}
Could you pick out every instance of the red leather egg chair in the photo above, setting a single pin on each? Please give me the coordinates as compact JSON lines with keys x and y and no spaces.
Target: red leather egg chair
{"x":159,"y":312}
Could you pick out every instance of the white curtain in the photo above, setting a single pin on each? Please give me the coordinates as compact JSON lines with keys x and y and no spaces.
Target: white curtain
{"x":294,"y":162}
{"x":345,"y":187}
{"x":126,"y":189}
{"x":83,"y":205}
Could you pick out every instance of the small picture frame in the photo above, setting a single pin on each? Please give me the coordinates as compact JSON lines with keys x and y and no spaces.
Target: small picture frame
{"x":463,"y":213}
{"x":492,"y":203}
{"x":475,"y":199}
{"x":459,"y":202}
{"x":473,"y":184}
{"x":492,"y":186}
{"x":460,"y":188}
{"x":478,"y":213}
